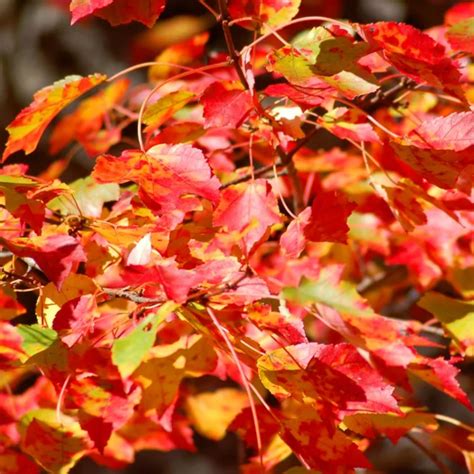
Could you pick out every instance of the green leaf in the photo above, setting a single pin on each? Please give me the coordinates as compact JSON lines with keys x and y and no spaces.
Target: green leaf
{"x":36,"y":338}
{"x":54,"y":444}
{"x":129,"y":351}
{"x":461,"y":35}
{"x":463,"y":280}
{"x":456,"y":316}
{"x":89,"y":196}
{"x":343,"y":297}
{"x":165,"y":107}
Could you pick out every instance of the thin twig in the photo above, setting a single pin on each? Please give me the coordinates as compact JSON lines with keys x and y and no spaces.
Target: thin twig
{"x":245,"y":382}
{"x":132,"y":296}
{"x":233,"y":53}
{"x":246,"y":177}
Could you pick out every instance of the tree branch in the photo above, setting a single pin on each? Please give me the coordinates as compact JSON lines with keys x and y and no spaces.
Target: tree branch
{"x":233,"y":53}
{"x":132,"y":296}
{"x":246,"y":177}
{"x":382,"y":98}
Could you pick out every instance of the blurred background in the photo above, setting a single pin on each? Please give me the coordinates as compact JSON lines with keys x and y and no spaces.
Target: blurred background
{"x":38,"y":46}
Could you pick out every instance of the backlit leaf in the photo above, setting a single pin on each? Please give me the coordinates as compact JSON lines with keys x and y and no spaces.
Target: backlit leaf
{"x":247,"y":207}
{"x":329,"y":214}
{"x":212,"y":412}
{"x":273,"y":12}
{"x":56,"y":255}
{"x":392,"y":426}
{"x":89,"y":198}
{"x":225,"y":106}
{"x":461,"y":36}
{"x":129,"y":351}
{"x":416,"y":54}
{"x":336,"y":374}
{"x":164,"y":108}
{"x":118,"y":12}
{"x":54,"y":446}
{"x":456,"y":316}
{"x":164,"y":173}
{"x":28,"y":127}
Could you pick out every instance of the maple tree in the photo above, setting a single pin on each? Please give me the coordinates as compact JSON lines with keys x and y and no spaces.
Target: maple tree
{"x":223,"y":243}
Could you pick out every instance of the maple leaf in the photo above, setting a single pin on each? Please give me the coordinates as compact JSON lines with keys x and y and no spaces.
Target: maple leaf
{"x":324,"y":448}
{"x":404,"y":202}
{"x":165,"y":173}
{"x":459,"y":12}
{"x":328,"y":221}
{"x":160,"y":376}
{"x":461,"y":36}
{"x":293,"y":240}
{"x":341,"y":308}
{"x":285,"y":324}
{"x":273,"y":12}
{"x":184,"y":53}
{"x":11,"y":349}
{"x":89,"y":198}
{"x":371,"y":425}
{"x":129,"y":351}
{"x":54,"y":446}
{"x":9,"y":307}
{"x":247,"y":207}
{"x":52,"y":298}
{"x":75,"y":319}
{"x":441,"y":374}
{"x":85,"y":122}
{"x":13,"y":462}
{"x":416,"y":54}
{"x":225,"y":105}
{"x":26,"y":198}
{"x":212,"y":412}
{"x":456,"y":316}
{"x":306,"y":97}
{"x":348,"y":124}
{"x":118,"y":12}
{"x":336,"y":374}
{"x":26,"y":130}
{"x":164,"y":108}
{"x":453,"y":132}
{"x":56,"y":255}
{"x":103,"y":406}
{"x":320,"y":56}
{"x":446,"y":169}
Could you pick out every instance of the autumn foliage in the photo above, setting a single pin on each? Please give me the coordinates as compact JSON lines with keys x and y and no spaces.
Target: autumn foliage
{"x":220,"y":239}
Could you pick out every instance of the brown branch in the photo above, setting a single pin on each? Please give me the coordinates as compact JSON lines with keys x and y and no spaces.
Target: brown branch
{"x":301,"y":143}
{"x":233,"y":53}
{"x":287,"y":161}
{"x":246,"y":177}
{"x":382,"y":98}
{"x":132,"y":296}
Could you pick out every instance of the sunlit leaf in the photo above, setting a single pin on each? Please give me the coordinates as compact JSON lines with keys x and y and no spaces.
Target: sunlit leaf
{"x":28,"y":127}
{"x":117,"y":12}
{"x":456,"y":316}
